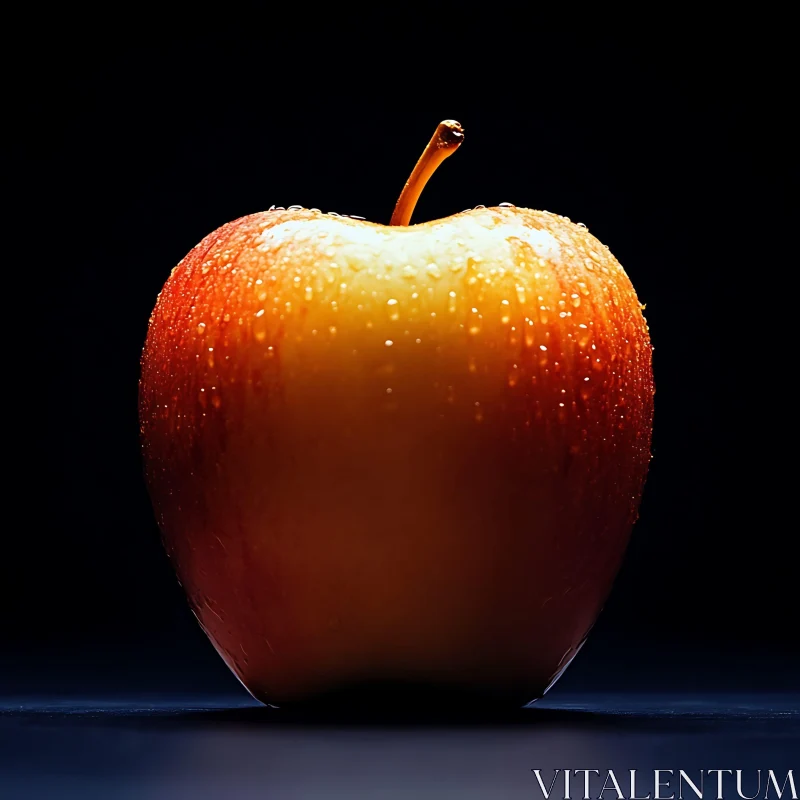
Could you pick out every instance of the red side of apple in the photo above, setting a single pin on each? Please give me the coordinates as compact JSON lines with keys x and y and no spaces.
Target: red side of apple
{"x":385,"y":453}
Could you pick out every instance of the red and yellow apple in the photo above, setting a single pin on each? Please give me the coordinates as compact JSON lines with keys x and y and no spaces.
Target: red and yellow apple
{"x":397,"y":452}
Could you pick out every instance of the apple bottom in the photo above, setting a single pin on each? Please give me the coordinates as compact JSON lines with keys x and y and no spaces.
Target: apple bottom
{"x":399,"y":697}
{"x":423,"y":655}
{"x":415,"y":671}
{"x":343,"y":561}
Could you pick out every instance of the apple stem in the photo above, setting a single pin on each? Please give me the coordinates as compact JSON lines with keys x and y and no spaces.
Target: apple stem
{"x":445,"y":141}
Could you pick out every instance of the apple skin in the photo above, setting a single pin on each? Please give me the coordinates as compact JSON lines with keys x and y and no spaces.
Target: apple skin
{"x":397,"y":453}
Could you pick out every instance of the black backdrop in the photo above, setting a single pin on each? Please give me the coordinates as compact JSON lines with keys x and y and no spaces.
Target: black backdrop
{"x":673,"y":147}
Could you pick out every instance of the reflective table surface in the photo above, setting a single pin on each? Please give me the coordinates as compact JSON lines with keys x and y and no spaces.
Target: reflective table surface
{"x":229,"y":747}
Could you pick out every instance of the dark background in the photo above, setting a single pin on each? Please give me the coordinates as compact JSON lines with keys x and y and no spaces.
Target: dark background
{"x":673,"y":146}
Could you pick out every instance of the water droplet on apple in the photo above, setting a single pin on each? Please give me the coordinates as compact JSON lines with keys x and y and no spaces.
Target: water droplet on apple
{"x":201,"y":327}
{"x":478,"y":207}
{"x":583,"y":225}
{"x":295,"y":208}
{"x":388,"y":343}
{"x":520,"y":293}
{"x":309,"y":293}
{"x":409,"y":272}
{"x":433,"y":271}
{"x":530,"y":336}
{"x":507,"y":205}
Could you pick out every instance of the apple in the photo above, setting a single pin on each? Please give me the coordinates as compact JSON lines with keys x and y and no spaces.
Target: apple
{"x":397,"y":453}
